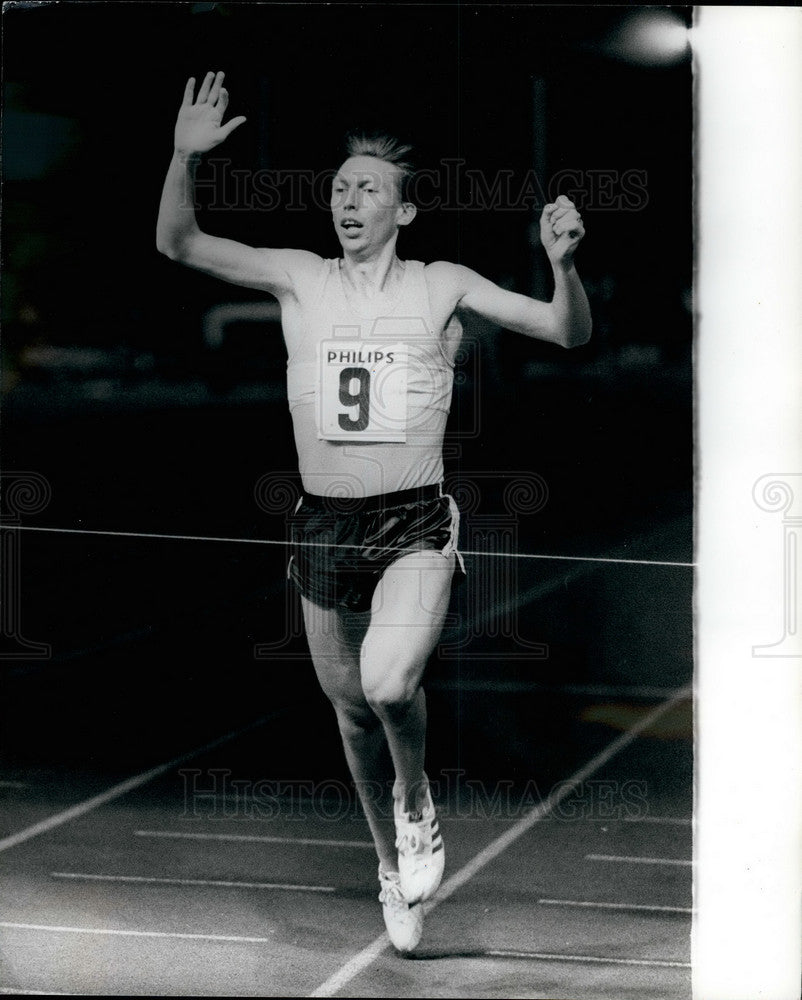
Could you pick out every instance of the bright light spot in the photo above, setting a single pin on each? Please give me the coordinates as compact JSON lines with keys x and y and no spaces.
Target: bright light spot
{"x":650,"y":38}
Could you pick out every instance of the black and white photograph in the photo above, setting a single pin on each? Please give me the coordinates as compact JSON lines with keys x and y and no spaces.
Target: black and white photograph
{"x":376,"y":468}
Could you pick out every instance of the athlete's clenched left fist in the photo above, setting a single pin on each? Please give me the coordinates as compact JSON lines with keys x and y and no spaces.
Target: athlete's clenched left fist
{"x":561,"y":230}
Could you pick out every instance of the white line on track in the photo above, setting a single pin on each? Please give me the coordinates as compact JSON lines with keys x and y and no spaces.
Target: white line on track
{"x":359,"y":962}
{"x":112,"y":932}
{"x":600,"y":959}
{"x":217,"y":883}
{"x":247,"y":798}
{"x":667,"y":820}
{"x":641,"y":907}
{"x":623,"y":859}
{"x":270,"y":797}
{"x":13,"y":784}
{"x":252,"y":838}
{"x":81,"y":808}
{"x":16,"y":991}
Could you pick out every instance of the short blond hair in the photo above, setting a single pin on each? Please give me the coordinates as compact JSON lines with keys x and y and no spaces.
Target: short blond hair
{"x":385,"y":147}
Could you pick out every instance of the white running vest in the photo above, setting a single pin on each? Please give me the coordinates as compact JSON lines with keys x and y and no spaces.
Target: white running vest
{"x":370,"y":394}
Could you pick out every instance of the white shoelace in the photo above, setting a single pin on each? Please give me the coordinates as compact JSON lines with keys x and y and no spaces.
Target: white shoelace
{"x":391,"y":890}
{"x":410,"y":842}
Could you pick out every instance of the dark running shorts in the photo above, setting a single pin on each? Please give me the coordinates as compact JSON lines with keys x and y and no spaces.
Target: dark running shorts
{"x":374,"y":532}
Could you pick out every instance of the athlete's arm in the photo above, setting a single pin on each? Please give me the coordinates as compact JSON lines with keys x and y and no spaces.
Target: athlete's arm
{"x":199,"y":129}
{"x":566,"y":319}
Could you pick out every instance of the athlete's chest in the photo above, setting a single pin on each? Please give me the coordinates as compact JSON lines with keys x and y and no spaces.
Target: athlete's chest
{"x":419,"y":315}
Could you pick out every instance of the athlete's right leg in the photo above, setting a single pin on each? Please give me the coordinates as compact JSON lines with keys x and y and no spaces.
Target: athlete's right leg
{"x":335,"y":639}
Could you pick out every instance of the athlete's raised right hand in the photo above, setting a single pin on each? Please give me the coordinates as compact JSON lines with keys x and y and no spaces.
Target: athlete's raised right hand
{"x":198,"y":128}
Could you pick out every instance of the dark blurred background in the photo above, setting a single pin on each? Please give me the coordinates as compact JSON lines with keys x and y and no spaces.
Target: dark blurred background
{"x":118,"y":391}
{"x":91,"y":92}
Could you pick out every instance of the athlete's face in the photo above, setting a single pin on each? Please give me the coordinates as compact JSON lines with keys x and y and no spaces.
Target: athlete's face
{"x":366,"y":204}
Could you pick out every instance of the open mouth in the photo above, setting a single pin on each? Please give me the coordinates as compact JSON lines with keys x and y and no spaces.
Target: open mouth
{"x":350,"y":224}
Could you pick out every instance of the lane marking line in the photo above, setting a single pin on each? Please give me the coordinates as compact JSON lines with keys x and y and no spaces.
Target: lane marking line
{"x":14,"y":784}
{"x":636,"y":861}
{"x":111,"y":932}
{"x":218,"y":883}
{"x":250,"y":799}
{"x":668,"y":820}
{"x":269,"y":797}
{"x":273,"y":541}
{"x":548,"y":957}
{"x":16,"y":991}
{"x":116,"y":791}
{"x":586,"y":904}
{"x":252,"y":838}
{"x":364,"y":958}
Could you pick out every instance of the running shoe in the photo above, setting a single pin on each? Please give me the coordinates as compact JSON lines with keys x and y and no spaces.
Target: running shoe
{"x":404,"y":923}
{"x":421,"y":855}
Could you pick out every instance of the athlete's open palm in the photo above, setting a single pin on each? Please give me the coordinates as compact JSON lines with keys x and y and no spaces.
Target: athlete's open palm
{"x":198,"y":127}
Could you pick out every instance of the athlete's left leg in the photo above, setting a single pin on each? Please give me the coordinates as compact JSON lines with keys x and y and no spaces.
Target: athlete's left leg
{"x":407,"y":615}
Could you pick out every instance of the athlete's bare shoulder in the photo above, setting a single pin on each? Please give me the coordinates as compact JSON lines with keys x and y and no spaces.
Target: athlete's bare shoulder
{"x":446,"y":283}
{"x":303,"y":270}
{"x":442,"y":271}
{"x":446,"y":276}
{"x":302,"y":260}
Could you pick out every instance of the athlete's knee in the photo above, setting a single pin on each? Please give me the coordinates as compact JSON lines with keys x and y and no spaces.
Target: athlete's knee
{"x":391,"y":692}
{"x":390,"y":702}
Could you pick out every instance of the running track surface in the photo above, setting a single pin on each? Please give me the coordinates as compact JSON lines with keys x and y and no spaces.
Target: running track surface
{"x":248,"y":888}
{"x":245,"y":892}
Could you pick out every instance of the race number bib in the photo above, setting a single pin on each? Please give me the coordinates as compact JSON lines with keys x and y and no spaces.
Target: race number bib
{"x":362,"y":391}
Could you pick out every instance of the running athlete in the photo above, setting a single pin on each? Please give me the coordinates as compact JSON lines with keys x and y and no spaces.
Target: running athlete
{"x":371,"y":341}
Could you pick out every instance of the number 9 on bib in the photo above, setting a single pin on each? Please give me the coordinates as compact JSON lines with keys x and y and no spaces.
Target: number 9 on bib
{"x":362,"y":391}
